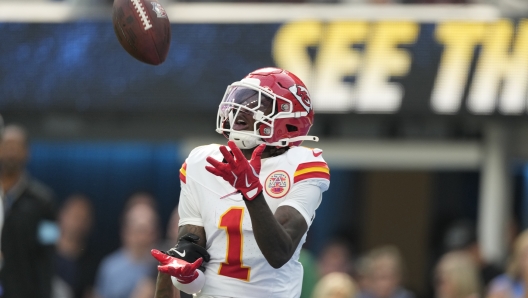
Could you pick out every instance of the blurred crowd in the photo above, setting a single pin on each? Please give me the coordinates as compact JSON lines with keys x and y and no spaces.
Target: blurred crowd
{"x":46,"y":252}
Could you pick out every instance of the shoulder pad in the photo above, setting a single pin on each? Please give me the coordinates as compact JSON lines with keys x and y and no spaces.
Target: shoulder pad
{"x":201,"y":152}
{"x":297,"y":155}
{"x":197,"y":155}
{"x":309,"y":164}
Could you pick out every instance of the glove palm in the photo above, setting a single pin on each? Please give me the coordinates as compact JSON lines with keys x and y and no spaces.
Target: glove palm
{"x":183,"y":271}
{"x":238,"y":171}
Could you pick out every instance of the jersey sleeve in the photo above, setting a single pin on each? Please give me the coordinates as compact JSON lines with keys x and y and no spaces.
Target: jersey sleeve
{"x":305,"y":197}
{"x":310,"y":179}
{"x":189,"y":206}
{"x":313,"y":170}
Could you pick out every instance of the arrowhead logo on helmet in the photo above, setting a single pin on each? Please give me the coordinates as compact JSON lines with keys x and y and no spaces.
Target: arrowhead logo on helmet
{"x":302,"y":96}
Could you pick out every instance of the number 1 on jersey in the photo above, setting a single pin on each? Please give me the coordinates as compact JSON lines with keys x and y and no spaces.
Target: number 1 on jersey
{"x":231,"y":222}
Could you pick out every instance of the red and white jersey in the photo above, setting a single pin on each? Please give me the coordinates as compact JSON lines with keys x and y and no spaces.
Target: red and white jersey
{"x":237,"y":267}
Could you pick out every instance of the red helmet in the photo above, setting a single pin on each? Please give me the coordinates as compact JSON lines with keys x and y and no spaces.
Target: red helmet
{"x":279,"y":103}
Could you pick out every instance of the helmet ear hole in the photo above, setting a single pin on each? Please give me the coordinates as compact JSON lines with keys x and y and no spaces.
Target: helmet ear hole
{"x":291,"y":128}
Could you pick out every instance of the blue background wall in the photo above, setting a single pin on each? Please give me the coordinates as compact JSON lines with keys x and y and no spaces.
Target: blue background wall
{"x":109,"y":173}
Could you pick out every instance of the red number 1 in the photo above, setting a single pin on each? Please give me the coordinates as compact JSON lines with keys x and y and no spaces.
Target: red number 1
{"x":231,"y":222}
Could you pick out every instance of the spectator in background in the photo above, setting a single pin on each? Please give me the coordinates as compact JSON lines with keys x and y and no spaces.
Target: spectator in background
{"x":1,"y":212}
{"x":170,"y":241}
{"x":382,"y":274}
{"x":74,"y":261}
{"x":335,"y":257}
{"x":514,"y":283}
{"x":131,"y":270}
{"x":336,"y":285}
{"x":457,"y":276}
{"x":462,"y":235}
{"x":138,"y":198}
{"x":171,"y":237}
{"x":1,"y":208}
{"x":29,"y":231}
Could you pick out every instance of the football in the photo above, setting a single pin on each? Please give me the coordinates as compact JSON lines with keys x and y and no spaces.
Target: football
{"x":143,"y":29}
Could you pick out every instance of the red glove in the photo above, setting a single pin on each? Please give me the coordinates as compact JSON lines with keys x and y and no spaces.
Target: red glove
{"x":238,"y":171}
{"x":184,"y":272}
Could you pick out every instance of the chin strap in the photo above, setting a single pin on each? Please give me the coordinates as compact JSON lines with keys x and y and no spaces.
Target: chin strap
{"x":244,"y":141}
{"x":285,"y":142}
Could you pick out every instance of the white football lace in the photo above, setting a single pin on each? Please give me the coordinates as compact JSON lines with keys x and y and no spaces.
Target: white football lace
{"x":142,"y":14}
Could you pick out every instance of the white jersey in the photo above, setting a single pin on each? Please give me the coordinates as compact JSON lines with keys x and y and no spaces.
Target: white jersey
{"x":237,"y":267}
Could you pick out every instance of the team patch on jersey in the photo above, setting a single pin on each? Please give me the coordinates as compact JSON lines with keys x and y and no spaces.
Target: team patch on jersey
{"x":183,"y":173}
{"x":308,"y":170}
{"x":277,"y":184}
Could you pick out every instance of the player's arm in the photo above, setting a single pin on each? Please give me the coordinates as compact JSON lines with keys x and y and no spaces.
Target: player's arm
{"x":164,"y":285}
{"x":279,"y":234}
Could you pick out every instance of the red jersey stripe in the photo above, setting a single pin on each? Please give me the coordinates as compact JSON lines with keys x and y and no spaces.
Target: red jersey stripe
{"x":312,"y":164}
{"x":311,"y":175}
{"x":183,"y":173}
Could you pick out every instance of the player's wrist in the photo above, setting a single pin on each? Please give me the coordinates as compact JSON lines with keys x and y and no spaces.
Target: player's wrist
{"x":253,"y":194}
{"x":187,"y":279}
{"x":192,"y":287}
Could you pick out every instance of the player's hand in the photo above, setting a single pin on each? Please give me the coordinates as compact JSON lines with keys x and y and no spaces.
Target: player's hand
{"x":238,"y":171}
{"x":183,"y":271}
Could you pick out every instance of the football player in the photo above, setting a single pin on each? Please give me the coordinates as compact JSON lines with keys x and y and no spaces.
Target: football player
{"x":245,"y":208}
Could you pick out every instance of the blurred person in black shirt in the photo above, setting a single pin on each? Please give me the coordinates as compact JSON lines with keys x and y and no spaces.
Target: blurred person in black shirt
{"x":75,"y":263}
{"x":29,"y":230}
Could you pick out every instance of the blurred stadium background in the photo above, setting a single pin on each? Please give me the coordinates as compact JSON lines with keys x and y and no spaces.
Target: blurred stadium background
{"x":421,"y":110}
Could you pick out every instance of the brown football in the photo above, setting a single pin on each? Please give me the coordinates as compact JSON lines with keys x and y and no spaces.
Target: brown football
{"x":143,"y":29}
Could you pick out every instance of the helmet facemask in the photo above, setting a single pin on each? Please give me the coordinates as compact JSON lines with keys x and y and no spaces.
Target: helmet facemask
{"x":248,"y":112}
{"x":244,"y":112}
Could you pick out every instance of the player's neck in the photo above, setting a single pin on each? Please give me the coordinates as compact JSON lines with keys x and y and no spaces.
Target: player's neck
{"x":270,"y":151}
{"x":248,"y":152}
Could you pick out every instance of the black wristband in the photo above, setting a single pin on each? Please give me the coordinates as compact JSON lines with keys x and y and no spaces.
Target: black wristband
{"x":188,"y":250}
